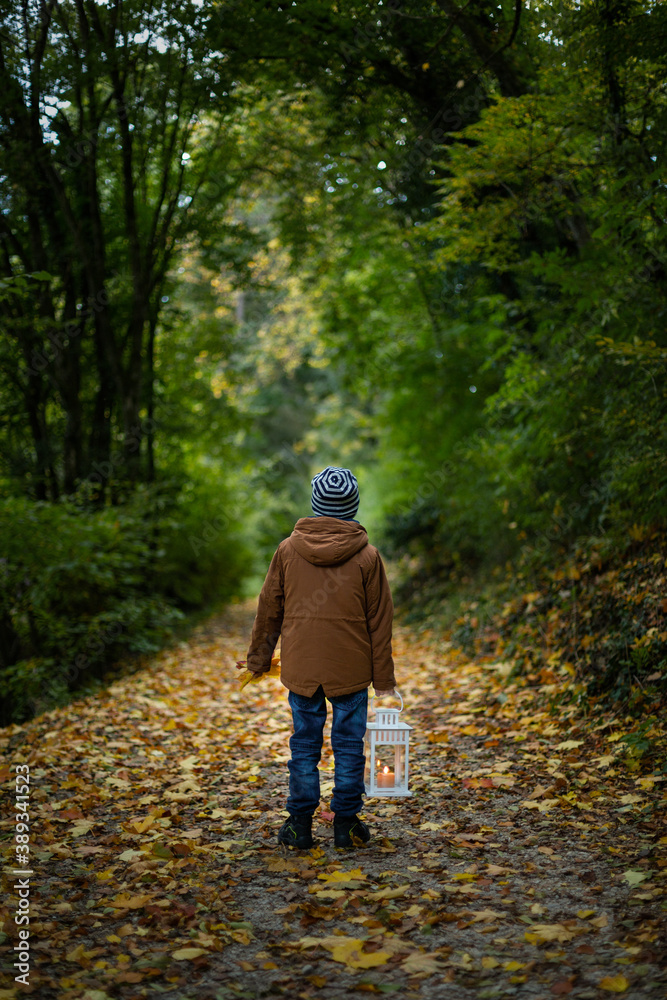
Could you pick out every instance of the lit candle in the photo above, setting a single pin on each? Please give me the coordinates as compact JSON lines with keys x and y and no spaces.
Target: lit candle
{"x":386,"y":778}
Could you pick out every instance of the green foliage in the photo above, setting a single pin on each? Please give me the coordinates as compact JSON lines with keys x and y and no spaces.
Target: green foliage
{"x":80,"y":587}
{"x":549,"y":223}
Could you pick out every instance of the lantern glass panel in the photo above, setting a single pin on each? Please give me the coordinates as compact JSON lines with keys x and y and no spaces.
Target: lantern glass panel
{"x":386,"y":767}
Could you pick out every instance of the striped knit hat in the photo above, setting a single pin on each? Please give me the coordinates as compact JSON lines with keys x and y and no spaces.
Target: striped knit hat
{"x":335,"y":493}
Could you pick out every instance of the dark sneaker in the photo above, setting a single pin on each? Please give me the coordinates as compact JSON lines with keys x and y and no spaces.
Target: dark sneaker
{"x":349,"y":831}
{"x":296,"y":832}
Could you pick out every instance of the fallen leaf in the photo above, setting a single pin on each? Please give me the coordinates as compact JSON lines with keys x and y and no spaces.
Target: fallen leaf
{"x":126,"y":902}
{"x":341,"y":876}
{"x":130,"y":855}
{"x":539,"y":933}
{"x":614,"y":984}
{"x":486,"y":916}
{"x":420,"y":963}
{"x":348,"y":951}
{"x":81,"y":827}
{"x":186,"y":954}
{"x":388,"y":893}
{"x":537,"y":792}
{"x":562,"y":986}
{"x":636,"y":877}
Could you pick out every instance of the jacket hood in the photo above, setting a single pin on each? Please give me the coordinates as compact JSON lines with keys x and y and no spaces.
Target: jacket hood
{"x":327,"y":541}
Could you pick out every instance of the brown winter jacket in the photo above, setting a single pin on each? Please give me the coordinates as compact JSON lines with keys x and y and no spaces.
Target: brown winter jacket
{"x":326,"y":595}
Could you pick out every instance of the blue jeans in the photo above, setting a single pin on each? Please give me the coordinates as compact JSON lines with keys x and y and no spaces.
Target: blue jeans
{"x":348,"y":727}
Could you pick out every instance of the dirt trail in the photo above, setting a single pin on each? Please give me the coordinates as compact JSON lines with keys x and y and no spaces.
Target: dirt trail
{"x":531,"y":860}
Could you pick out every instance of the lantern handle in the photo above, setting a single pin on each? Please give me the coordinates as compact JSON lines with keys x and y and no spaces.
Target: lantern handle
{"x":396,"y":692}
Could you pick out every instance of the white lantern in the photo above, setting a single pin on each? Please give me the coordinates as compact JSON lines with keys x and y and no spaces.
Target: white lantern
{"x":387,"y":753}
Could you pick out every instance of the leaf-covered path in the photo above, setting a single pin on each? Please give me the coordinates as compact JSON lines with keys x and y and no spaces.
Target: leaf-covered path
{"x":531,"y":861}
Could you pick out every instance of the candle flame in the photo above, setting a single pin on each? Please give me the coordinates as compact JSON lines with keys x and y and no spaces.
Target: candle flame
{"x":386,"y":770}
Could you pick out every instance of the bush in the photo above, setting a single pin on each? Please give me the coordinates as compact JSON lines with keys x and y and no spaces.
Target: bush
{"x":81,"y":587}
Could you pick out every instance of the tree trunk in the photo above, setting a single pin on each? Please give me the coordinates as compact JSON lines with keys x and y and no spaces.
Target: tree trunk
{"x":150,"y":400}
{"x":132,"y":392}
{"x":46,"y":483}
{"x":99,"y":465}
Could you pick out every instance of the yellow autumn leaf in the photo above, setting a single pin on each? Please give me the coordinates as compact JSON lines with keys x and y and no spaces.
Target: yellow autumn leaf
{"x":248,"y":677}
{"x":339,"y":876}
{"x":486,"y":916}
{"x":142,"y":825}
{"x":76,"y":954}
{"x":125,"y":902}
{"x":584,"y":914}
{"x":185,"y":954}
{"x":388,"y":893}
{"x":542,"y":806}
{"x":513,"y":965}
{"x":419,"y":963}
{"x":489,"y":962}
{"x":351,"y":953}
{"x":569,"y":745}
{"x":614,"y":984}
{"x":242,"y":936}
{"x":539,"y":933}
{"x":312,"y":942}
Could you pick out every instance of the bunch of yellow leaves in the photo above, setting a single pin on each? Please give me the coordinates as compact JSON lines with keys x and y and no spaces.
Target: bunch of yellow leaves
{"x":248,"y":677}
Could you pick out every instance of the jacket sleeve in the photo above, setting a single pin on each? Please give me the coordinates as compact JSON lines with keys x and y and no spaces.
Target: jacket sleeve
{"x":379,"y":618}
{"x":269,"y":618}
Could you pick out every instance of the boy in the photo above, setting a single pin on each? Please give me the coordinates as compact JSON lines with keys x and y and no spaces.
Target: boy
{"x":326,"y":594}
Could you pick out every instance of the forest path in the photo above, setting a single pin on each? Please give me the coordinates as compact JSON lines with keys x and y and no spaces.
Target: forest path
{"x":531,"y":860}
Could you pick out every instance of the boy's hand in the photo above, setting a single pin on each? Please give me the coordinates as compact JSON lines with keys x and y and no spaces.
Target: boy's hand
{"x":381,"y":694}
{"x":252,"y":676}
